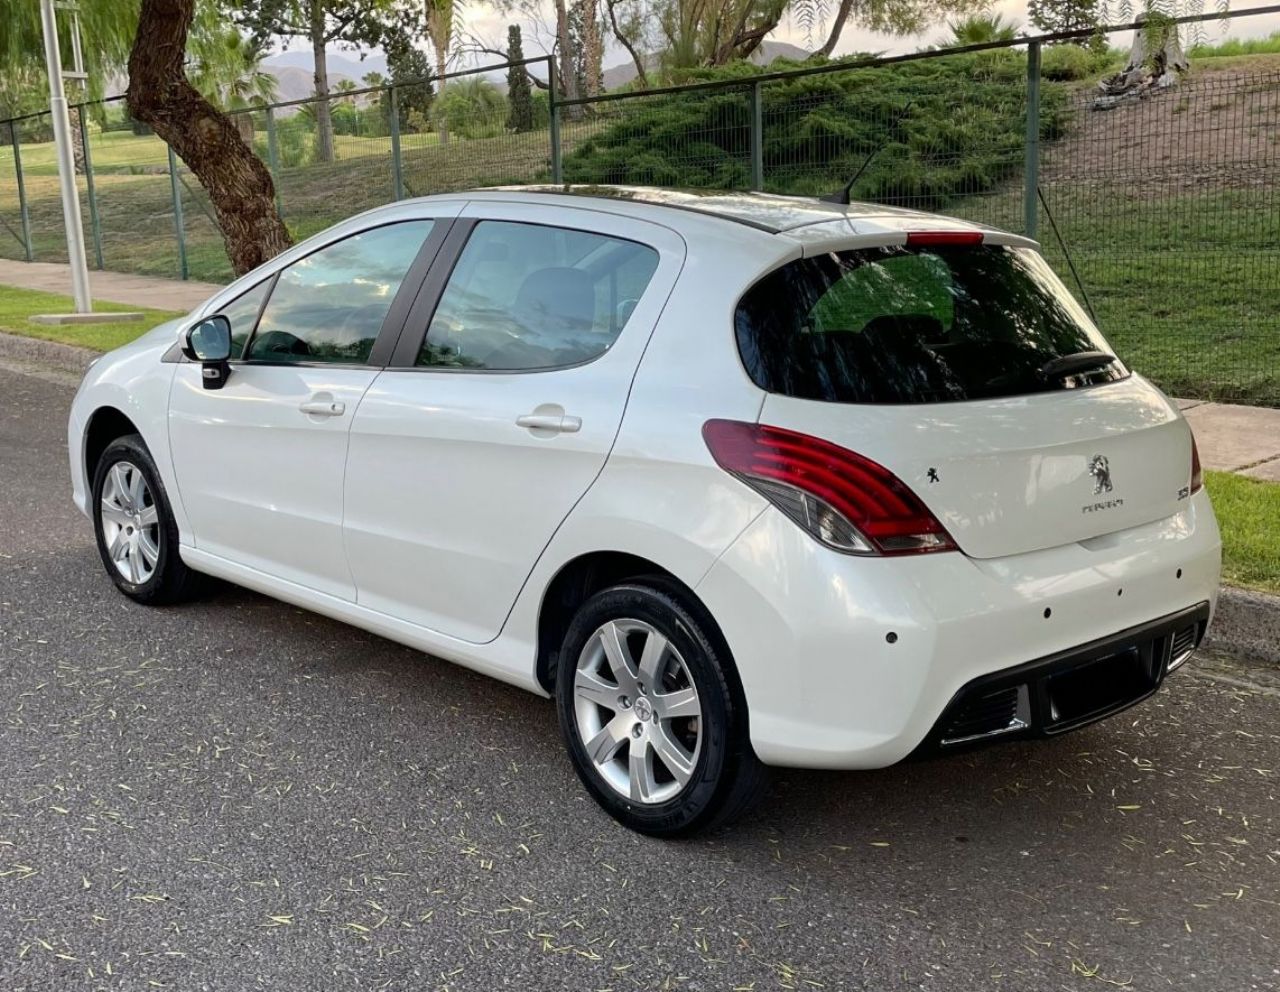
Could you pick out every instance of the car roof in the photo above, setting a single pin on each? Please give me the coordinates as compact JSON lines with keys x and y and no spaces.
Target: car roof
{"x":769,"y":212}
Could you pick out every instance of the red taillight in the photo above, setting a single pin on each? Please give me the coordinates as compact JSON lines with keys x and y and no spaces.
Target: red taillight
{"x":926,"y":239}
{"x":1197,"y":474}
{"x":843,"y":499}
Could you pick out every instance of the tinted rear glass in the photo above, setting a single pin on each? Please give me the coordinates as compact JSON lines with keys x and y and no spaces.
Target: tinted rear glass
{"x":915,"y":325}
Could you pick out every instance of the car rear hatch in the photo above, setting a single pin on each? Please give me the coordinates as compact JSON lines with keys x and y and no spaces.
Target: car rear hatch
{"x":968,"y":371}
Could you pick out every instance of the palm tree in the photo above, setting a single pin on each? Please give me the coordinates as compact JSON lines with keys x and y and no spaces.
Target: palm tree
{"x":983,"y":29}
{"x":441,"y":15}
{"x":227,"y":70}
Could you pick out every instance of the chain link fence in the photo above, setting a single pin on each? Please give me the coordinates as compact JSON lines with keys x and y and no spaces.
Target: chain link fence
{"x":1162,"y":212}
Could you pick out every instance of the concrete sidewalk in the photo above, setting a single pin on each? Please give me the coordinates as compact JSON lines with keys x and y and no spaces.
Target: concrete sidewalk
{"x":1244,"y":439}
{"x":113,"y":287}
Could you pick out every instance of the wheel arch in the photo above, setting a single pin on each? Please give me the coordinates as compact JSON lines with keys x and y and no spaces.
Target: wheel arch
{"x":106,"y":424}
{"x":582,"y":577}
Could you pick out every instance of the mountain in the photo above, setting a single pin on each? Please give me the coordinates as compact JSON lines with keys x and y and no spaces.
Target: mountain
{"x":624,"y":72}
{"x":339,"y":64}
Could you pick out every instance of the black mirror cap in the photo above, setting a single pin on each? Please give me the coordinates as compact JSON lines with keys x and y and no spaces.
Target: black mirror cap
{"x":209,"y":340}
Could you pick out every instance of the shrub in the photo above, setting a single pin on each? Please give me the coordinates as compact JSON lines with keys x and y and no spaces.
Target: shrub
{"x":939,"y":128}
{"x":470,"y":108}
{"x":1071,"y":63}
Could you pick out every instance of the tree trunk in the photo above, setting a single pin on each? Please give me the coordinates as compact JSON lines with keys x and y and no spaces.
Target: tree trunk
{"x":592,"y":48}
{"x":442,"y":67}
{"x":625,"y":42}
{"x":324,"y":121}
{"x":160,"y":95}
{"x":837,"y":25}
{"x":77,"y":140}
{"x":568,"y":78}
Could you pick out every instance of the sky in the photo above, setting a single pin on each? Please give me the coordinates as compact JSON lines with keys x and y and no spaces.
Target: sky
{"x":487,"y":22}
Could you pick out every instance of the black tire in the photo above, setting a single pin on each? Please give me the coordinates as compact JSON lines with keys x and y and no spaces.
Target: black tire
{"x":170,"y":580}
{"x":727,"y":777}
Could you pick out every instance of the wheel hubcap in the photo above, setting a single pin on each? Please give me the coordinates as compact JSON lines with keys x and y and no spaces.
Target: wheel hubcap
{"x":637,"y":711}
{"x":130,"y":523}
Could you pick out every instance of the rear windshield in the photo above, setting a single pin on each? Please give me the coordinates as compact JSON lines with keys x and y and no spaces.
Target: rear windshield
{"x":917,"y":325}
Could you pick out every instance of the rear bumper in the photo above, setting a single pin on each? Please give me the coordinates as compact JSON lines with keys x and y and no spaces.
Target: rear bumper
{"x":1070,"y":689}
{"x":851,"y":662}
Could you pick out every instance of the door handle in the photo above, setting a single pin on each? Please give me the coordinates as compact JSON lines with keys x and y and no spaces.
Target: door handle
{"x":558,"y":423}
{"x":323,"y":408}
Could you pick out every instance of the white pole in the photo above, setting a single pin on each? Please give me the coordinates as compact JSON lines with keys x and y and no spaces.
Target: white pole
{"x":66,"y":162}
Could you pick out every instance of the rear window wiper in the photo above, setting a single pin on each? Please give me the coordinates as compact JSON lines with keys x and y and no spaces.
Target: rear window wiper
{"x":1080,"y":361}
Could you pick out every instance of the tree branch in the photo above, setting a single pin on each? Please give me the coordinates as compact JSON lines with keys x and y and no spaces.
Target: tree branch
{"x":160,"y":95}
{"x":626,"y":43}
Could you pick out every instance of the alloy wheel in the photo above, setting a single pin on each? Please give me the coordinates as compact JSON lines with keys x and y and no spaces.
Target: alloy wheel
{"x":130,"y":523}
{"x":637,"y":711}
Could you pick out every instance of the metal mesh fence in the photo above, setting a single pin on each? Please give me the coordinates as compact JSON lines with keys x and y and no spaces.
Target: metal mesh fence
{"x":1166,"y":205}
{"x":1169,"y":209}
{"x":701,"y":138}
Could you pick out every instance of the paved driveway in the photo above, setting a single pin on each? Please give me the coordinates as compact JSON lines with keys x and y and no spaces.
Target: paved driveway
{"x":240,"y":795}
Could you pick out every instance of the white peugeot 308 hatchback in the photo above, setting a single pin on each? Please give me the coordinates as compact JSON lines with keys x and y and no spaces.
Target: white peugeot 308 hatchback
{"x":740,"y":480}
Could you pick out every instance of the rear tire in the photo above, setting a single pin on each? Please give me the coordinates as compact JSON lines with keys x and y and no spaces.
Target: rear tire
{"x":134,"y":526}
{"x":652,"y":713}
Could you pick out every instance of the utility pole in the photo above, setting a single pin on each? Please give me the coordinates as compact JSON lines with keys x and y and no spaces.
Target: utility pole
{"x":66,"y":153}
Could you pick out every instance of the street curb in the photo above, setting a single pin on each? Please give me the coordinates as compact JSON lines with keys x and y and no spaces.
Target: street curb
{"x":1247,"y":626}
{"x":54,"y":355}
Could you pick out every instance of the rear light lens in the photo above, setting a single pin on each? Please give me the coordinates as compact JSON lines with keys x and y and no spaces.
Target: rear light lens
{"x":1197,"y":473}
{"x":925,"y":239}
{"x":844,"y":500}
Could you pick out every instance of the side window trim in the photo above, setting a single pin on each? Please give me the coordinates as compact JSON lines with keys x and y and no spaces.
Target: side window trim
{"x":423,"y":308}
{"x":271,"y":281}
{"x":394,"y":321}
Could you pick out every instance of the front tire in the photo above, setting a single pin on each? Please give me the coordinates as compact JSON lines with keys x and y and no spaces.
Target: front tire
{"x":134,"y":526}
{"x":652,"y":713}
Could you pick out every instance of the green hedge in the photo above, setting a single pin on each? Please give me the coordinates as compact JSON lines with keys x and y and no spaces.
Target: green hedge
{"x":943,"y":128}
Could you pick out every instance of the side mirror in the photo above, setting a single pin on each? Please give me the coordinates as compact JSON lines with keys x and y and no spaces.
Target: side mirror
{"x":209,"y":343}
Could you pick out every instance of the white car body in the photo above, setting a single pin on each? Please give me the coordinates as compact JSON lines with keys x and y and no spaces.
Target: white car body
{"x":425,"y":514}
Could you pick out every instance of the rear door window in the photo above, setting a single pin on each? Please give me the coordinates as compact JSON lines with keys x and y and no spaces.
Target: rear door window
{"x":916,"y":325}
{"x":524,"y":297}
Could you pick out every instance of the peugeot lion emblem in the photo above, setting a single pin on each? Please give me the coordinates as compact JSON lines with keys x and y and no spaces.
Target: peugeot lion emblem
{"x":1100,"y":469}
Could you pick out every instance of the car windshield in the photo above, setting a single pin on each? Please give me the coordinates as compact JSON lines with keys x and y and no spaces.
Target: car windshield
{"x":906,"y":324}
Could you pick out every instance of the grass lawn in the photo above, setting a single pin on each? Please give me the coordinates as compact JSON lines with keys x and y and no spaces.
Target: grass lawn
{"x":16,"y":305}
{"x":1249,"y":515}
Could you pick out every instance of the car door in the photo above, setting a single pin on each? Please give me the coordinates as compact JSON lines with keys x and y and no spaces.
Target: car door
{"x":259,"y":463}
{"x":473,"y":446}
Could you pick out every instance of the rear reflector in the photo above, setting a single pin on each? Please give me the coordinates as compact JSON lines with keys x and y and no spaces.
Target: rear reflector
{"x":926,"y":239}
{"x":846,"y":501}
{"x":1197,"y":474}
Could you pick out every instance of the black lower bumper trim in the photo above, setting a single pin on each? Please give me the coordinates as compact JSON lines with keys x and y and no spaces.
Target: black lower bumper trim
{"x":1069,"y":689}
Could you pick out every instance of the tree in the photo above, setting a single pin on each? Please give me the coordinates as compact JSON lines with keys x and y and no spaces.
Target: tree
{"x":321,"y":23}
{"x":982,"y":29}
{"x":471,"y":107}
{"x":889,"y":16}
{"x":239,"y":185}
{"x":586,"y":41}
{"x":440,"y":23}
{"x":1063,"y":15}
{"x":519,"y":95}
{"x":227,"y":70}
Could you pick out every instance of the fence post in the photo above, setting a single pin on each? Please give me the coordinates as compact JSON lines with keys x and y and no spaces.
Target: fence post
{"x":273,"y":159}
{"x":1031,"y":168}
{"x":95,"y":225}
{"x":757,"y":138}
{"x":397,"y":177}
{"x":22,"y":192}
{"x":557,"y":171}
{"x":178,"y":224}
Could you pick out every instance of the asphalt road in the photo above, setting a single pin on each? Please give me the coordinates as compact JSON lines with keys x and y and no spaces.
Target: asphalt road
{"x":237,"y":794}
